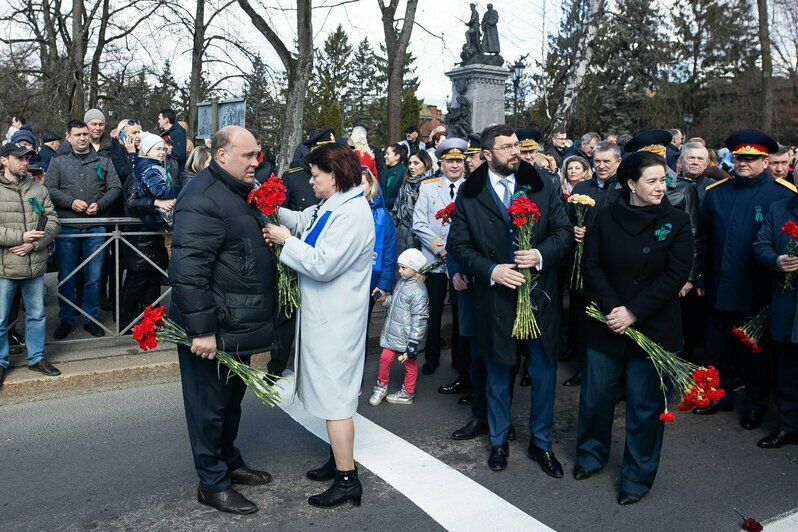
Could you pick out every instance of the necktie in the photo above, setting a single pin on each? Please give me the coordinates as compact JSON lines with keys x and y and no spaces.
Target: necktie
{"x":451,"y":190}
{"x":507,"y":195}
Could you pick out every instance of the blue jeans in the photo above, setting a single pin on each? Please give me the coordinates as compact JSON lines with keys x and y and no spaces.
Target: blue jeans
{"x":33,"y":298}
{"x":69,"y":252}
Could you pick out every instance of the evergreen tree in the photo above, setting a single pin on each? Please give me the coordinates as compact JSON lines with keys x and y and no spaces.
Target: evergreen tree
{"x":364,"y":83}
{"x":264,"y":108}
{"x":333,"y":77}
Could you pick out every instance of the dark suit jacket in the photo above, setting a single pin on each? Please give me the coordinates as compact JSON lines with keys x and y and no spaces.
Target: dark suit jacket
{"x":480,"y":238}
{"x":637,"y":257}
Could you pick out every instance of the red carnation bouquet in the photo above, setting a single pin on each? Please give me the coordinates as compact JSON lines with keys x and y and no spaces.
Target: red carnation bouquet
{"x":156,"y":327}
{"x":751,"y":333}
{"x":790,"y":229}
{"x":267,"y":198}
{"x":446,"y":214}
{"x":524,"y":215}
{"x":696,"y":385}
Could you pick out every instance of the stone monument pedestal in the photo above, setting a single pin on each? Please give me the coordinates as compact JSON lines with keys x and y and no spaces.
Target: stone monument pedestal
{"x":477,"y":97}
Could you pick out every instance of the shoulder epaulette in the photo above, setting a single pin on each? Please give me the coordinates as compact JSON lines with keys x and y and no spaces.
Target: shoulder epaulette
{"x":785,"y":183}
{"x":295,"y":169}
{"x":716,"y":183}
{"x":431,"y":180}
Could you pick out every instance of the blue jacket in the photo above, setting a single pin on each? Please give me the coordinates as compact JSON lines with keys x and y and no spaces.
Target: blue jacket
{"x":177,"y":135}
{"x":151,"y":182}
{"x":770,"y":243}
{"x":733,"y":212}
{"x":383,"y":225}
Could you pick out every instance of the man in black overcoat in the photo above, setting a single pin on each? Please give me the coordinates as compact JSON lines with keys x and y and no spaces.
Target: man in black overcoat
{"x":482,"y":241}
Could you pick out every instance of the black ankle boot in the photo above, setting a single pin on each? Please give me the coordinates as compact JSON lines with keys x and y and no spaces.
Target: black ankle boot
{"x":325,"y":472}
{"x":346,"y":487}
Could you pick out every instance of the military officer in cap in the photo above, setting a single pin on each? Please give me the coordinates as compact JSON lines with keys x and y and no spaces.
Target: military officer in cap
{"x":529,"y":140}
{"x":473,"y":153}
{"x":681,"y":193}
{"x":298,"y":197}
{"x":435,"y":194}
{"x":738,"y":287}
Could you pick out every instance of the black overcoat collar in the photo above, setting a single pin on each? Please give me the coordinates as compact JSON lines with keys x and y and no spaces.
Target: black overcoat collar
{"x":636,"y":219}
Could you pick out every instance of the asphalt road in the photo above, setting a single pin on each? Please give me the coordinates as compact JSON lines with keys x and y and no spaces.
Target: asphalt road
{"x":120,"y":461}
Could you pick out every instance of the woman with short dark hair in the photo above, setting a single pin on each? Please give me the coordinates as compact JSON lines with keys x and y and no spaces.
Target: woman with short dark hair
{"x":330,"y":246}
{"x":637,"y":256}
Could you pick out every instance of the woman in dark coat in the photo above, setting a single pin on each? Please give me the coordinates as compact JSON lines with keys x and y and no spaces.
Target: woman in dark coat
{"x":637,"y":257}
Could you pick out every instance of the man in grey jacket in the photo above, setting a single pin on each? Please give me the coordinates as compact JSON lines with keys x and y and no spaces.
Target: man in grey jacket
{"x":83,"y":185}
{"x":27,"y":225}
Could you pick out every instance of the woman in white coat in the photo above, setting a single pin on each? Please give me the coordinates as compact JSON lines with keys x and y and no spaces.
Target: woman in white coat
{"x":330,"y":246}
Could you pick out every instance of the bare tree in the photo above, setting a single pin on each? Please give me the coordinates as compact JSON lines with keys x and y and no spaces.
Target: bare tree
{"x":767,"y":66}
{"x":584,"y":54}
{"x":298,"y":70}
{"x":396,"y":42}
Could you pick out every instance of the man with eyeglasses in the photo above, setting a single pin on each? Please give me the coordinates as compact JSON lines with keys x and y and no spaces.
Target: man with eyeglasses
{"x":737,"y":286}
{"x":559,"y":138}
{"x":483,"y":243}
{"x":83,"y":185}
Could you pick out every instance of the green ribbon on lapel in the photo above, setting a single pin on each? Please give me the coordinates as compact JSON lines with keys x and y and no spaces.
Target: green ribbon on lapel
{"x":663,"y":232}
{"x":668,"y":180}
{"x":100,"y":173}
{"x":758,"y":214}
{"x":520,"y":192}
{"x":37,"y":207}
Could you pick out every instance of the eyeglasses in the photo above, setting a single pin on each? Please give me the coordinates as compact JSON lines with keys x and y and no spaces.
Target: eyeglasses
{"x":133,"y":122}
{"x":508,"y":148}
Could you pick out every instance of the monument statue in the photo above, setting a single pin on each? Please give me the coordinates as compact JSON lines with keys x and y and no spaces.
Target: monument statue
{"x":490,"y":38}
{"x":482,"y":49}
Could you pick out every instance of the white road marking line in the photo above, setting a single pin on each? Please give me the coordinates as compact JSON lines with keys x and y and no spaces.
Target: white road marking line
{"x":786,"y":522}
{"x":453,"y":500}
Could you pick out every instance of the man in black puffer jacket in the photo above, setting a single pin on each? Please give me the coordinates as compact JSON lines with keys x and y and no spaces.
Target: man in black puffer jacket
{"x":223,"y":278}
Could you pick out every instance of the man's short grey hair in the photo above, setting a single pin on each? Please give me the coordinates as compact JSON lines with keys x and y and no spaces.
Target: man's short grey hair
{"x":587,"y":137}
{"x":222,"y":140}
{"x":695,"y":146}
{"x":608,"y":146}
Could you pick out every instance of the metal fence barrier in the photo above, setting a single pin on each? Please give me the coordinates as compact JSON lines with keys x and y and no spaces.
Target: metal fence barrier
{"x":117,"y":237}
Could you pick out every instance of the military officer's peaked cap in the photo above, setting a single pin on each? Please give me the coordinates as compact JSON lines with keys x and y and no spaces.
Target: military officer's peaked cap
{"x":653,"y":140}
{"x":325,"y":137}
{"x":751,"y":142}
{"x":474,"y":143}
{"x":529,"y":138}
{"x":453,"y":148}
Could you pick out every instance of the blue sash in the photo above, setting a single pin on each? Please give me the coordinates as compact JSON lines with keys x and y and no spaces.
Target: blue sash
{"x":379,"y":236}
{"x":313,"y":236}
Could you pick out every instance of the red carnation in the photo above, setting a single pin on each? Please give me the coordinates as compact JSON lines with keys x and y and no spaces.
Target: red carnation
{"x":520,"y":221}
{"x":790,"y":228}
{"x":269,"y":196}
{"x":446,"y":214}
{"x":667,"y":417}
{"x":752,"y":525}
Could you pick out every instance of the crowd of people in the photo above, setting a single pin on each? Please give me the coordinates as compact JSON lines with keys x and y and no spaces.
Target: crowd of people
{"x":684,"y":244}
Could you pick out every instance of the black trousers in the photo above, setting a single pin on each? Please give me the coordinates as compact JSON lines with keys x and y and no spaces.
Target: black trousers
{"x":213,"y":411}
{"x":787,"y":396}
{"x":694,"y":323}
{"x":286,"y":329}
{"x":722,"y":350}
{"x":140,"y":289}
{"x":438,"y":285}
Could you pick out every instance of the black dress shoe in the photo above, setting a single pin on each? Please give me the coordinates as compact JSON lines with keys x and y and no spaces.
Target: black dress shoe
{"x":94,"y":329}
{"x":249,"y":477}
{"x":773,"y":441}
{"x":229,"y":501}
{"x":526,"y":381}
{"x":325,"y":472}
{"x":581,"y":473}
{"x":752,"y":419}
{"x":429,"y":368}
{"x":63,"y":330}
{"x":465,"y":400}
{"x":574,"y":380}
{"x":498,"y":457}
{"x":625,"y":499}
{"x":45,"y":367}
{"x":715,"y":407}
{"x":548,"y":462}
{"x":473,"y":429}
{"x":346,"y":487}
{"x":3,"y":370}
{"x":455,"y":387}
{"x":511,"y":433}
